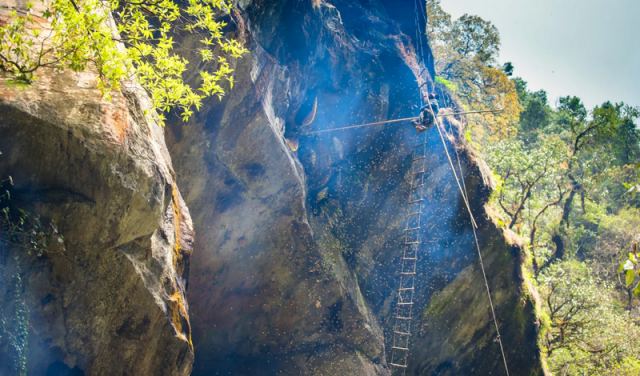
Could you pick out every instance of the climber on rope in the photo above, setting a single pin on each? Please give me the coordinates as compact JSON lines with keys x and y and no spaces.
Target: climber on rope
{"x":428,"y":112}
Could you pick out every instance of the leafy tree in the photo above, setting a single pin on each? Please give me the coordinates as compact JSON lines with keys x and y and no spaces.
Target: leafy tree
{"x":523,"y":171}
{"x":530,"y":183}
{"x":465,"y":50}
{"x":536,"y":113}
{"x":475,"y":38}
{"x":79,"y":34}
{"x":491,"y":90}
{"x":587,"y":140}
{"x":438,"y":22}
{"x":568,"y":181}
{"x":462,"y":45}
{"x":625,"y":138}
{"x":586,"y":331}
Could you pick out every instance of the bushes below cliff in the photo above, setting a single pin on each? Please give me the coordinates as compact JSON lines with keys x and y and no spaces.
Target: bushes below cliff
{"x":565,"y":182}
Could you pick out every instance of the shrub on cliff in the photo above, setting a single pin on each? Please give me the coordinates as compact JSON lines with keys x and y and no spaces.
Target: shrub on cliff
{"x":124,"y":39}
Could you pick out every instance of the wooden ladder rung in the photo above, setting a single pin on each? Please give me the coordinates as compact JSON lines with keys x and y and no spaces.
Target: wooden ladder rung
{"x":409,"y":259}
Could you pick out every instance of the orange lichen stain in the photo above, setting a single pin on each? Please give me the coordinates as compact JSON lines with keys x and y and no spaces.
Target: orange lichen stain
{"x":179,"y":253}
{"x":177,"y":305}
{"x":116,"y":116}
{"x":180,"y":317}
{"x":177,"y":215}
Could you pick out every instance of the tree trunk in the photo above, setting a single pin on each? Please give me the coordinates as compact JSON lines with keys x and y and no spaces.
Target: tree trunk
{"x":558,"y":239}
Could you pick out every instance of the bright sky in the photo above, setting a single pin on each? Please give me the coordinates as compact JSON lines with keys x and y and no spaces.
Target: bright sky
{"x":588,"y":48}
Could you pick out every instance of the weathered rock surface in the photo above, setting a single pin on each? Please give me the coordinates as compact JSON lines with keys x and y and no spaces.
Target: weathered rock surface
{"x":110,"y":299}
{"x":456,"y":335}
{"x":298,"y":236}
{"x":295,"y":258}
{"x":267,"y":298}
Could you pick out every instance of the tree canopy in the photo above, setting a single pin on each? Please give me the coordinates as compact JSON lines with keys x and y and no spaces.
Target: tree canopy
{"x":124,"y":40}
{"x":567,"y":183}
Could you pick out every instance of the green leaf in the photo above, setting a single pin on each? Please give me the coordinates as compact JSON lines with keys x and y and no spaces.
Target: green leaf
{"x":629,"y":277}
{"x":80,"y":36}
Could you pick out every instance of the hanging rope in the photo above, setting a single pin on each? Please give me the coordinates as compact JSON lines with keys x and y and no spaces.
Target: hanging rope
{"x":393,"y":121}
{"x":464,"y":193}
{"x":418,"y":44}
{"x":465,"y":196}
{"x":382,"y":122}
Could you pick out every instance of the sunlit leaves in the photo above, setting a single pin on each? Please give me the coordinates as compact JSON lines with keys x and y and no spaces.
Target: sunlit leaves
{"x":587,"y":332}
{"x":475,"y":38}
{"x":528,"y":176}
{"x":630,"y":270}
{"x":465,"y":50}
{"x":568,"y":182}
{"x":77,"y":35}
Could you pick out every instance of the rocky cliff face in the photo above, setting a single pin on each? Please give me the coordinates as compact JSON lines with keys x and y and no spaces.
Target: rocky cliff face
{"x":298,"y":236}
{"x":108,"y":297}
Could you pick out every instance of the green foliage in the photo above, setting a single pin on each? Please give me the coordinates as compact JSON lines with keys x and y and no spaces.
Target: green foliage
{"x":588,"y":332}
{"x":580,"y":219}
{"x":465,"y":50}
{"x":438,"y":21}
{"x":536,"y":113}
{"x":475,"y":38}
{"x":78,"y":34}
{"x":507,"y":68}
{"x":446,"y":83}
{"x":630,"y":271}
{"x":567,"y":181}
{"x":524,"y":172}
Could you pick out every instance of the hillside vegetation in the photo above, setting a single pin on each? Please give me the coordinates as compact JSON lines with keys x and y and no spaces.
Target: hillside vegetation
{"x":567,"y":184}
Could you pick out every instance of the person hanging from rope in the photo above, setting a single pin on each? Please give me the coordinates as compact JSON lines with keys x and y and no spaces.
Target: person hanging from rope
{"x":428,"y":112}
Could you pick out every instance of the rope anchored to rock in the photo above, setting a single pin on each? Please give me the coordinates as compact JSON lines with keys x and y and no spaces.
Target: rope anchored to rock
{"x":394,"y":121}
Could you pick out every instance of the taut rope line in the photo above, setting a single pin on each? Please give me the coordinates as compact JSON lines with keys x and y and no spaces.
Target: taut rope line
{"x":393,"y":121}
{"x":475,"y":236}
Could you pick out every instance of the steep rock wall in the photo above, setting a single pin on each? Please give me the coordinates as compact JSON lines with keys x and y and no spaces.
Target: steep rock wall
{"x":108,"y":296}
{"x":299,"y":236}
{"x":267,"y":298}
